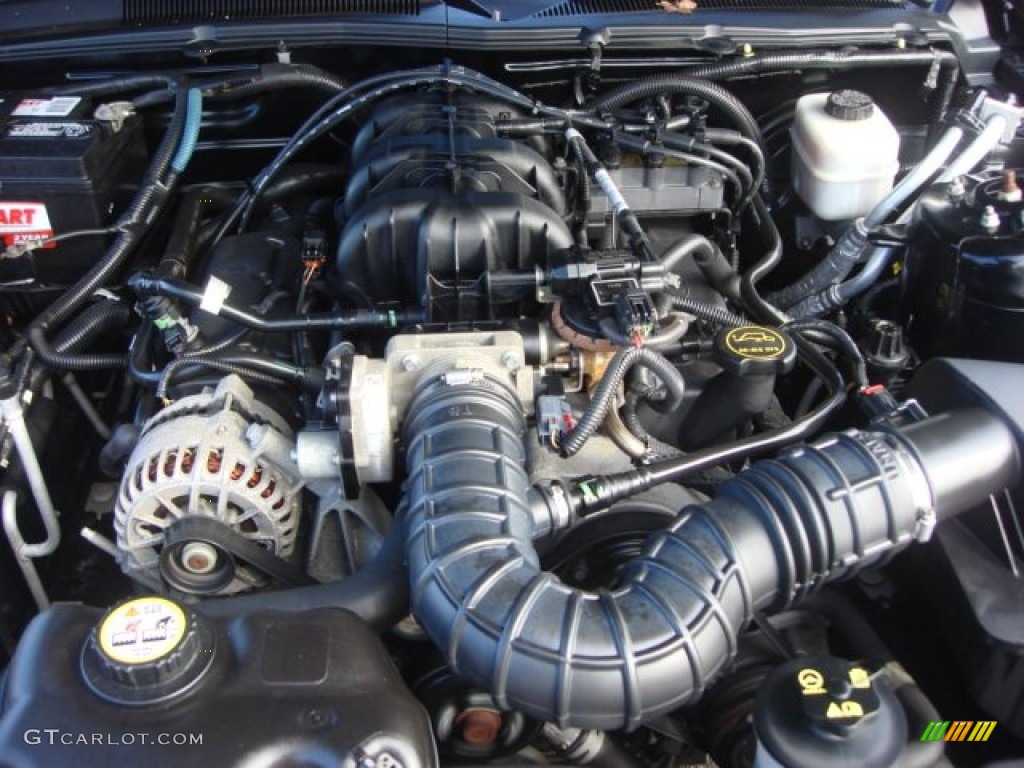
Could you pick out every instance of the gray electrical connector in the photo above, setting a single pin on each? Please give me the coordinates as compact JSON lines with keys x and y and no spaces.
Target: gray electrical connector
{"x":554,"y":419}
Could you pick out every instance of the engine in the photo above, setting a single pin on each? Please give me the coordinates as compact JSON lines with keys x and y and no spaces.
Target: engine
{"x":506,"y":422}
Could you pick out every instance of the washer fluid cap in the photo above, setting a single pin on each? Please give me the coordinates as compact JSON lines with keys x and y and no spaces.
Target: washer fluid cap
{"x":849,"y":105}
{"x":146,"y":650}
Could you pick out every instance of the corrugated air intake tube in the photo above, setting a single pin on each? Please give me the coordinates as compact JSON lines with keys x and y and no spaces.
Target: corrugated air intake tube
{"x":616,"y":658}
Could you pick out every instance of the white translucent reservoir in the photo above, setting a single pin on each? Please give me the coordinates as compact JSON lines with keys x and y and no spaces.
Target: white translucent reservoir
{"x":845,"y":154}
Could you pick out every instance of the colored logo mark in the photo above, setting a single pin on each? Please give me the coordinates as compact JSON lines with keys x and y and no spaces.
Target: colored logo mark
{"x":959,"y":730}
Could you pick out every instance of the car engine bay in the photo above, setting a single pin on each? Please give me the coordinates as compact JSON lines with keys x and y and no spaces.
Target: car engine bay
{"x":391,"y":407}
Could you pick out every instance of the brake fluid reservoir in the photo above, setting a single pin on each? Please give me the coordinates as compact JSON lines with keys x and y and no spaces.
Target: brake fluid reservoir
{"x":845,"y":154}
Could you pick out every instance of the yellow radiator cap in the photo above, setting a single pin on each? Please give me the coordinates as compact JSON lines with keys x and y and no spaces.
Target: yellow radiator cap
{"x":142,"y":630}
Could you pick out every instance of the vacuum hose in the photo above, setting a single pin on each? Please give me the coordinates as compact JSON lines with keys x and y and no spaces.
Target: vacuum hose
{"x":616,"y":658}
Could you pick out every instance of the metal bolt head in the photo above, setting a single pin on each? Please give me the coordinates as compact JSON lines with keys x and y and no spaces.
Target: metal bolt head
{"x":254,"y":433}
{"x":510,"y":360}
{"x":990,"y":220}
{"x":199,"y":557}
{"x":956,"y":191}
{"x":410,"y":363}
{"x":318,"y":718}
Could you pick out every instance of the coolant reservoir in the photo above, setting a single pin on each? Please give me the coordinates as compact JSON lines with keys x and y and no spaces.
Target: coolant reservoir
{"x":845,"y":154}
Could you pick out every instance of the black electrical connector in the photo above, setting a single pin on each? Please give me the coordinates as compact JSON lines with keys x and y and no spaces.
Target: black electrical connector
{"x":175,"y":329}
{"x":635,"y":314}
{"x":882,"y":409}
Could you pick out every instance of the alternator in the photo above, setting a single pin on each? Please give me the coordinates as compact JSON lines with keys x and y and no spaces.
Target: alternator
{"x":205,"y":456}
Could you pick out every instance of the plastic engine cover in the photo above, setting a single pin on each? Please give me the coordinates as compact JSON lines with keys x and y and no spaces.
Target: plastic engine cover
{"x":312,"y":689}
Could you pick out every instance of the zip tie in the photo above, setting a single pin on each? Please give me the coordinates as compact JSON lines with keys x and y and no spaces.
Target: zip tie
{"x":214,"y":296}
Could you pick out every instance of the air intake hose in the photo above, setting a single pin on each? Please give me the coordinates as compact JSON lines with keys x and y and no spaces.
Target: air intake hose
{"x":615,"y":658}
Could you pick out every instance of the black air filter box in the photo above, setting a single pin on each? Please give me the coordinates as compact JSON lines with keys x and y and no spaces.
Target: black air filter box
{"x":978,"y":599}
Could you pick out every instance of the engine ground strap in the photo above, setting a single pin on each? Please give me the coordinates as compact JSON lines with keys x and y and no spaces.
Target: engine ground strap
{"x":226,"y":542}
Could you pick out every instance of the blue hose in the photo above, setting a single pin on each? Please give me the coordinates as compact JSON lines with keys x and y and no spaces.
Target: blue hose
{"x":190,"y":135}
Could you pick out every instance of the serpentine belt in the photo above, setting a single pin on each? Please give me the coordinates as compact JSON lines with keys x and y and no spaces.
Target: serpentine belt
{"x":226,"y":541}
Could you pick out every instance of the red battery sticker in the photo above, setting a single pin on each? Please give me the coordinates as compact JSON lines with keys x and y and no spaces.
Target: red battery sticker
{"x":24,"y":221}
{"x":58,"y":106}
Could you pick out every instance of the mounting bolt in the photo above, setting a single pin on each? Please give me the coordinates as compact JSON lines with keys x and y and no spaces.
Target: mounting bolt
{"x":990,"y":220}
{"x":956,"y":191}
{"x":255,"y":433}
{"x":510,"y":360}
{"x":1010,"y":192}
{"x":199,"y":557}
{"x":410,"y":363}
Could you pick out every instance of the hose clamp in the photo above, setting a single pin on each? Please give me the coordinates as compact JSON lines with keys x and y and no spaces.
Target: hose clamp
{"x":920,"y":491}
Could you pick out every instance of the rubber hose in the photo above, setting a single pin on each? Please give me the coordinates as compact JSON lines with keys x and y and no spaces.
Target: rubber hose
{"x":631,"y":420}
{"x":714,"y":94}
{"x":668,"y":375}
{"x":709,"y":259}
{"x":859,"y":283}
{"x":756,"y":65}
{"x":181,"y":244}
{"x":682,"y":249}
{"x":311,"y":379}
{"x":378,"y":593}
{"x":737,"y":139}
{"x":706,"y":311}
{"x":920,"y":175}
{"x":95,"y":322}
{"x":836,"y":296}
{"x":302,"y":76}
{"x":160,"y":163}
{"x":605,"y":392}
{"x":707,"y":256}
{"x":584,"y":193}
{"x":620,"y":434}
{"x":153,"y":98}
{"x":744,"y":177}
{"x":756,"y":305}
{"x":139,"y":366}
{"x":840,"y":60}
{"x":58,"y":361}
{"x":304,"y":177}
{"x":265,"y":370}
{"x":190,"y":132}
{"x":833,"y":336}
{"x":117,"y":449}
{"x":145,"y":82}
{"x":990,"y":137}
{"x":91,"y":324}
{"x":615,"y":659}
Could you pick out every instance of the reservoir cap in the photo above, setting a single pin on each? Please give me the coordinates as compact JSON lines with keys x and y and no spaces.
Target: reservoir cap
{"x":816,"y":711}
{"x":849,"y":105}
{"x":146,"y":650}
{"x":754,"y":350}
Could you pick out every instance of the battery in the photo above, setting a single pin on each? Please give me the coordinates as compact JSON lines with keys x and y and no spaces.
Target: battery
{"x":62,"y":170}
